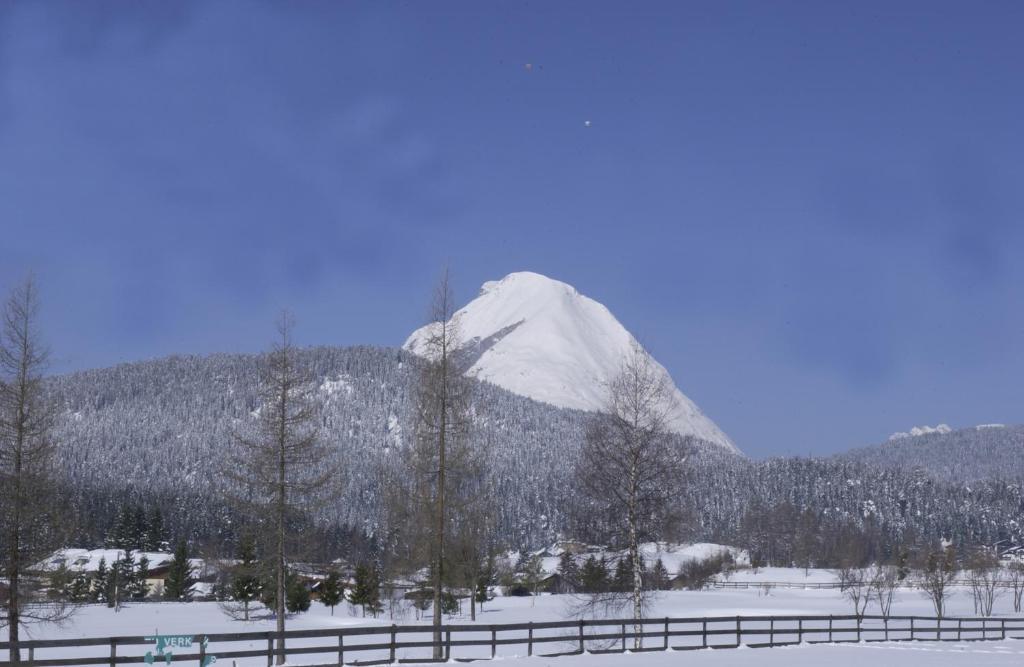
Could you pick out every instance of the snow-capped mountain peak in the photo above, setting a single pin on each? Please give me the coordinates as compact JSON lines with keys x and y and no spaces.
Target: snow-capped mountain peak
{"x":941,"y":429}
{"x":540,"y":338}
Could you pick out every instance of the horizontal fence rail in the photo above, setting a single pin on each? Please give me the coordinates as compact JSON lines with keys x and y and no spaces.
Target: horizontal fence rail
{"x":388,"y":644}
{"x":826,"y":585}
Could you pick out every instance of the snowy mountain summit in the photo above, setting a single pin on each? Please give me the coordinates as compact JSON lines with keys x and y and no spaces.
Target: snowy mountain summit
{"x":540,"y":338}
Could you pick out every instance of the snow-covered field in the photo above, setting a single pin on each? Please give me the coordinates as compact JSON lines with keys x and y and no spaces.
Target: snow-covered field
{"x":917,"y":654}
{"x":203,"y":618}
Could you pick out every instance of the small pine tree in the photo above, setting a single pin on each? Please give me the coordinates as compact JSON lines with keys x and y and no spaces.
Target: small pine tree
{"x":122,"y":579}
{"x":100,"y":581}
{"x":365,"y":591}
{"x":180,"y":579}
{"x":140,"y":588}
{"x":658,"y":578}
{"x":137,"y":533}
{"x":449,"y":604}
{"x":61,"y":580}
{"x":623,"y":580}
{"x":297,"y":595}
{"x":114,"y":583}
{"x":331,"y":591}
{"x":114,"y":539}
{"x":245,"y":579}
{"x":482,"y":591}
{"x":533,"y":575}
{"x":80,"y":588}
{"x":156,"y":534}
{"x":569,"y":572}
{"x":594,"y":575}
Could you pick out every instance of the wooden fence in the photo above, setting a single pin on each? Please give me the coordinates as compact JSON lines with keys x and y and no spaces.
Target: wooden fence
{"x":414,"y":643}
{"x":824,"y":585}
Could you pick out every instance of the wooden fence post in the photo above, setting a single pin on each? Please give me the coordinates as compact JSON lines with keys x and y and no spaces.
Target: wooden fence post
{"x":858,"y":628}
{"x":529,"y":644}
{"x":113,"y":652}
{"x":830,"y":628}
{"x":959,"y":628}
{"x":623,"y":637}
{"x":341,"y":649}
{"x":800,"y":631}
{"x":886,"y":621}
{"x":270,"y":649}
{"x":1002,"y":624}
{"x":31,"y":655}
{"x":202,"y":653}
{"x":738,"y":641}
{"x":666,"y":633}
{"x":447,"y":644}
{"x":494,"y":641}
{"x":771,"y":633}
{"x":393,"y":629}
{"x":704,"y":633}
{"x":581,"y":637}
{"x":911,"y":628}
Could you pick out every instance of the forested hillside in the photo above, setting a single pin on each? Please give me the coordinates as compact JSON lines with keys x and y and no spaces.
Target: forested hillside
{"x":991,"y":451}
{"x":159,"y":432}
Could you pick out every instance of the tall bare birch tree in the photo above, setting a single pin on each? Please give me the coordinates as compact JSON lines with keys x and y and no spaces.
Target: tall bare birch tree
{"x":441,"y":448}
{"x":631,"y":466}
{"x":280,"y":466}
{"x":27,"y":450}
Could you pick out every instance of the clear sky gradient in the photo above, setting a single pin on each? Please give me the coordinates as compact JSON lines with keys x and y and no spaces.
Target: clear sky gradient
{"x":810,"y":213}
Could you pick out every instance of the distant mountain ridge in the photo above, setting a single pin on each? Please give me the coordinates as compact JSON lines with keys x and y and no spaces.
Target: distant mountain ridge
{"x":540,"y":338}
{"x":986,"y":451}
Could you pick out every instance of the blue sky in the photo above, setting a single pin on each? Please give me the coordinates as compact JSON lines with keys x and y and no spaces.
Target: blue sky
{"x":811,"y":213}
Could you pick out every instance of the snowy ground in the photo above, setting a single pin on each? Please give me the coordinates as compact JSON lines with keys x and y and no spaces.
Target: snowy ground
{"x":202,"y":618}
{"x":918,"y":654}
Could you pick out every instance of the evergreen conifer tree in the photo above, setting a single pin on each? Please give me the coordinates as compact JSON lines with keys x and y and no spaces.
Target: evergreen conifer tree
{"x":594,"y":575}
{"x":331,"y":591}
{"x":365,"y":591}
{"x":140,"y":588}
{"x":297,"y":595}
{"x":113,"y":582}
{"x":60,"y":583}
{"x":100,"y":581}
{"x":80,"y":588}
{"x":138,"y":531}
{"x":180,"y":578}
{"x":245,"y":579}
{"x":569,"y":572}
{"x":156,"y":534}
{"x":658,"y":578}
{"x":623,"y":580}
{"x":482,"y":591}
{"x":122,"y":579}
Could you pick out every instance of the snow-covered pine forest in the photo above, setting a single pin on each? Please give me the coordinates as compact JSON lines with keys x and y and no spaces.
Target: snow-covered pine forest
{"x":157,"y":433}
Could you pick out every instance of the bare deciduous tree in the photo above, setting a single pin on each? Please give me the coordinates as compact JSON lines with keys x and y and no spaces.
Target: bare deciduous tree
{"x":986,"y":580}
{"x":630,"y":466}
{"x":442,"y":458}
{"x":937,"y":575}
{"x":1015,"y":580}
{"x":855,"y":585}
{"x":884,"y":580}
{"x":279,"y":466}
{"x":473,"y":544}
{"x":28,"y":528}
